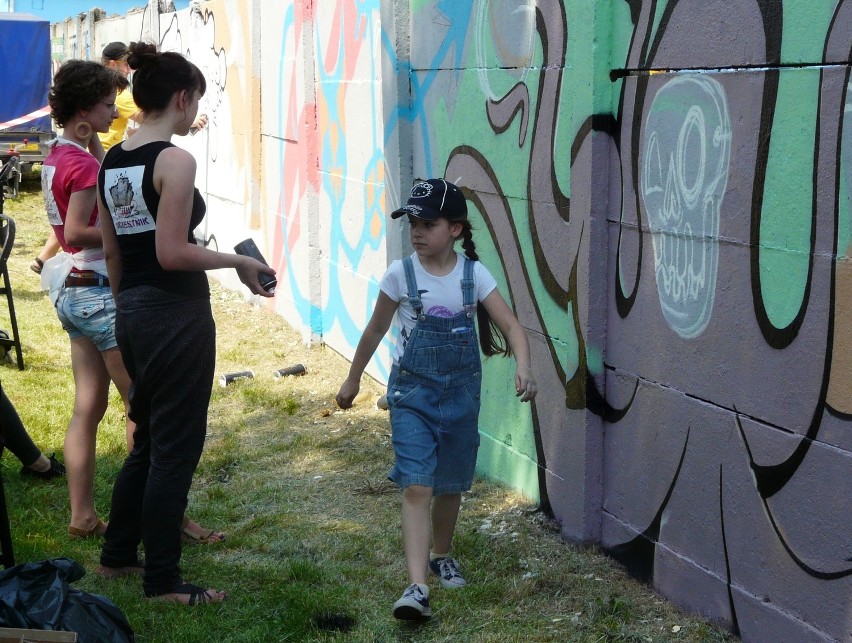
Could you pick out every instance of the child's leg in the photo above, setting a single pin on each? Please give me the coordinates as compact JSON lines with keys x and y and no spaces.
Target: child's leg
{"x":415,"y":530}
{"x":445,"y":513}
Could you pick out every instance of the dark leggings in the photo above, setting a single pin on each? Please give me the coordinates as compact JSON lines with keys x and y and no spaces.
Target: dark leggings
{"x":17,"y":439}
{"x":168,"y":344}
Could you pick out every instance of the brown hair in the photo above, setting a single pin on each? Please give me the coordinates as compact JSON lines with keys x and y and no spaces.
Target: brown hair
{"x":160,"y":75}
{"x":78,"y":85}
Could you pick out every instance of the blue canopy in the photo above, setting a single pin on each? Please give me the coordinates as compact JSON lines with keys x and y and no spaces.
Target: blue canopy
{"x":25,"y":69}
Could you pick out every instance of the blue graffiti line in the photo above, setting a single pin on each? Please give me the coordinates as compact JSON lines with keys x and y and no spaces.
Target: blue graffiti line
{"x":321,"y":318}
{"x":458,"y":15}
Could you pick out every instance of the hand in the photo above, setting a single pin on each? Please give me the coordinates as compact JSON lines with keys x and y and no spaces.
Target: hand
{"x":248,"y":270}
{"x":525,"y":386}
{"x":348,"y":390}
{"x":199,"y":123}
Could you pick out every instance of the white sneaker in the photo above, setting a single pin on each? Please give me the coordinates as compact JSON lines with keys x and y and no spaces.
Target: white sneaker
{"x":447,"y":569}
{"x":413,"y":605}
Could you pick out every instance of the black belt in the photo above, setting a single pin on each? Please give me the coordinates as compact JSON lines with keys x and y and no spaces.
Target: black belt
{"x":86,"y":279}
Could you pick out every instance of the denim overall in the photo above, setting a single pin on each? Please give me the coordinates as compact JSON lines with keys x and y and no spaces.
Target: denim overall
{"x":433,"y":396}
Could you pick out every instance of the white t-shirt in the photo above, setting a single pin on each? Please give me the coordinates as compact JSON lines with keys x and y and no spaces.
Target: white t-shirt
{"x":440,"y":296}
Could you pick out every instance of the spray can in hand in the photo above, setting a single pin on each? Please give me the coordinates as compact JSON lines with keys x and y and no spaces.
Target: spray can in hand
{"x":248,"y":248}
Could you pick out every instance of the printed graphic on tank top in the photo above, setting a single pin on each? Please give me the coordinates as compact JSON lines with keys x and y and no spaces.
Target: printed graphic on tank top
{"x":124,"y":200}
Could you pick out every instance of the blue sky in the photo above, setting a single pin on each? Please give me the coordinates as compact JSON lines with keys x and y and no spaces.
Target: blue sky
{"x":56,"y":10}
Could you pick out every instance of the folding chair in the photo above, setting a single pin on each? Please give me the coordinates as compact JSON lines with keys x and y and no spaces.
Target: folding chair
{"x":7,"y":240}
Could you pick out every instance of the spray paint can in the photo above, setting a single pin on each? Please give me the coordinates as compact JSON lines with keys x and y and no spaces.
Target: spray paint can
{"x":249,"y":249}
{"x":297,"y":369}
{"x":229,"y":378}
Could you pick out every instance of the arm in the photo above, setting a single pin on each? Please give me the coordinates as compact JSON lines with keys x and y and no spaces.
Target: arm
{"x":504,"y":318}
{"x":51,"y":246}
{"x":174,"y":179}
{"x":78,"y":232}
{"x":111,"y":252}
{"x":376,"y":329}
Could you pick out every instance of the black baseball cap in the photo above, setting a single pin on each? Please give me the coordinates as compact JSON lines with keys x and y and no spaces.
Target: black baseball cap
{"x":115,"y":51}
{"x":432,"y":199}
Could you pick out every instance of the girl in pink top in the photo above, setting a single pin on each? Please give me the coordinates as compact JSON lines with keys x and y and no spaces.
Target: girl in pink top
{"x":82,"y":102}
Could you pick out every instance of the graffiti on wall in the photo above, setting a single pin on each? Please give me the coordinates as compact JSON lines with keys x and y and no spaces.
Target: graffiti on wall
{"x":768,"y":376}
{"x":318,"y":150}
{"x":682,"y":187}
{"x":200,"y":46}
{"x":727,"y":389}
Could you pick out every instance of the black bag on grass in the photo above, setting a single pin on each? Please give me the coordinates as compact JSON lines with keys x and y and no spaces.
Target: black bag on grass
{"x":38,"y":596}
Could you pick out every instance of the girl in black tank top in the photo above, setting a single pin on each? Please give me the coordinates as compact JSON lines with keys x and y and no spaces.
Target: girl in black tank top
{"x":164,"y":326}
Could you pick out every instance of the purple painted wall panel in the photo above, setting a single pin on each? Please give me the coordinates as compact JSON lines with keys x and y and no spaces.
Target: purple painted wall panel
{"x":727,"y":476}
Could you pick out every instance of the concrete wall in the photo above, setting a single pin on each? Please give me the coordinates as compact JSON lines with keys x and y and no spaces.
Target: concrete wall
{"x":662,"y":190}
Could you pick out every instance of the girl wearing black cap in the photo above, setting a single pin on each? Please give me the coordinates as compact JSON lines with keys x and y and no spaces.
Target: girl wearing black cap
{"x":435,"y":381}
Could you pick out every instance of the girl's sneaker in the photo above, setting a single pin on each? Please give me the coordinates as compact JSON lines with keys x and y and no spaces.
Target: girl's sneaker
{"x":413,"y":605}
{"x":447,"y":569}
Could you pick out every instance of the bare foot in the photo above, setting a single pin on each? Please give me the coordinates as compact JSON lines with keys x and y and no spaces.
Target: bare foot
{"x":189,"y":594}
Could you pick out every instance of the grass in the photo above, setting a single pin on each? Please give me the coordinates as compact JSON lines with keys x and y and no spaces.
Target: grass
{"x":312,"y":526}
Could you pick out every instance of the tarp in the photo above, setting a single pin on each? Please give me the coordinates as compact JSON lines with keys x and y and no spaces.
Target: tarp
{"x":25,"y":70}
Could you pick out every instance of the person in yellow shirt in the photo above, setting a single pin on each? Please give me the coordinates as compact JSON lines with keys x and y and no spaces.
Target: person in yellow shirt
{"x":114,"y":56}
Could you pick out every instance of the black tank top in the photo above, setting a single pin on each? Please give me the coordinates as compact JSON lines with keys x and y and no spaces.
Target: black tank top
{"x":126,"y":186}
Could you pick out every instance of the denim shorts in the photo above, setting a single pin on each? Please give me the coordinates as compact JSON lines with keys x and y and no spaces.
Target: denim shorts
{"x":435,"y":432}
{"x":88,"y":312}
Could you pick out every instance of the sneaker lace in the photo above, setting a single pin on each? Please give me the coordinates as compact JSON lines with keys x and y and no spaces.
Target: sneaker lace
{"x":449,"y":568}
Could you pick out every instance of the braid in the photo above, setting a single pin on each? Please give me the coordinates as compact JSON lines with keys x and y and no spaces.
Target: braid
{"x":467,"y":242}
{"x":491,"y":340}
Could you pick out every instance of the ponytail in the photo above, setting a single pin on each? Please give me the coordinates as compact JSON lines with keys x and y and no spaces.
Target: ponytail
{"x":491,"y":339}
{"x":160,"y":75}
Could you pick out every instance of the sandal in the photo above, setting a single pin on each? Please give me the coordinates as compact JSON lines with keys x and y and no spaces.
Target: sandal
{"x":192,"y":533}
{"x":96,"y":531}
{"x":189,"y":594}
{"x":37,"y":265}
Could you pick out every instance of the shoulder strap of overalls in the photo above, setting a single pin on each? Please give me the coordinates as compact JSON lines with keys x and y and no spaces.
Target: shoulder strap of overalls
{"x":411,"y":283}
{"x":467,"y":284}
